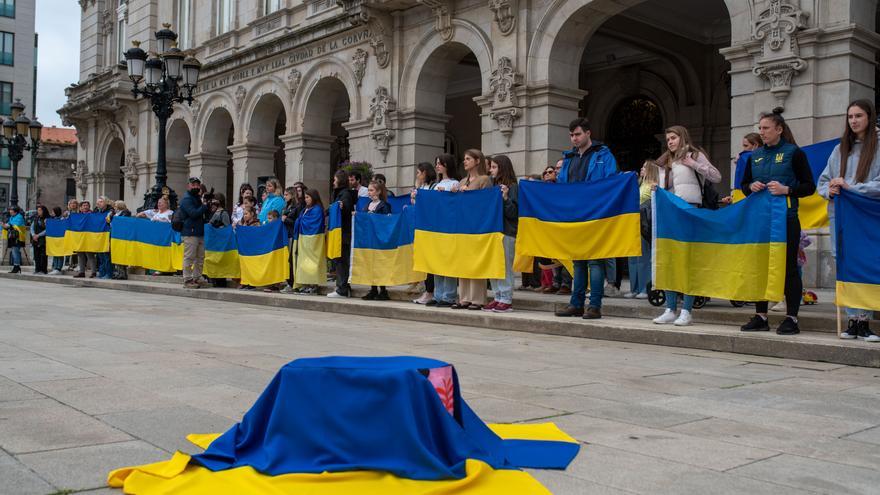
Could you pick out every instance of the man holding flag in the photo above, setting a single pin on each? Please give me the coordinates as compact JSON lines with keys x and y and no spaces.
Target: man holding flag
{"x":587,"y":161}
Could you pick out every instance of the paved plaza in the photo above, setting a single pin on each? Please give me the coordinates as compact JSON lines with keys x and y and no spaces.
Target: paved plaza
{"x":93,"y":379}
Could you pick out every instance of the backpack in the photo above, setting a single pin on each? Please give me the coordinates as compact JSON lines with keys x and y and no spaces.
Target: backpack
{"x":709,"y":195}
{"x":177,"y":220}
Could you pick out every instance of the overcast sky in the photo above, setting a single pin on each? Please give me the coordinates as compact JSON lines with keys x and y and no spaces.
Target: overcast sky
{"x":58,"y":55}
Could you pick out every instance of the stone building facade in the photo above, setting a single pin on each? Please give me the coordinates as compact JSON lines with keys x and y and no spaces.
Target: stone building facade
{"x":53,"y":181}
{"x":290,"y":88}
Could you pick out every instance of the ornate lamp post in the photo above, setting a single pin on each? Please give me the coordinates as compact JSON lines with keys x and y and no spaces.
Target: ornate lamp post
{"x":20,"y":134}
{"x":169,"y":77}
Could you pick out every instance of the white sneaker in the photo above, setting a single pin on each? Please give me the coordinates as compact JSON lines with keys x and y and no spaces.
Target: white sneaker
{"x":611,"y":291}
{"x":684,"y":319}
{"x":55,"y":272}
{"x":424,"y":299}
{"x":779,"y":307}
{"x":666,"y":318}
{"x":629,"y":295}
{"x":335,"y":294}
{"x":641,"y":295}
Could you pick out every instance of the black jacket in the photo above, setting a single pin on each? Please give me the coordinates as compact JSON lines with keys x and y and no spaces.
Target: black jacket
{"x":383,"y":208}
{"x":193,"y":213}
{"x":348,"y":198}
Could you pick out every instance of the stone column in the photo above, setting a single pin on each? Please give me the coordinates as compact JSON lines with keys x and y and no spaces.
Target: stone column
{"x":178,"y":173}
{"x":548,"y":112}
{"x":420,"y":138}
{"x":209,"y":167}
{"x":250,"y":161}
{"x":307,"y":158}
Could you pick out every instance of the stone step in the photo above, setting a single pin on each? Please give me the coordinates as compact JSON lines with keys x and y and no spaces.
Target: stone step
{"x":808,"y":346}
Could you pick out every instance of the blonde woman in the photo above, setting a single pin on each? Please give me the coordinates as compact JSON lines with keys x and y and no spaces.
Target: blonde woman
{"x":640,"y":266}
{"x":274,"y":200}
{"x":472,"y":292}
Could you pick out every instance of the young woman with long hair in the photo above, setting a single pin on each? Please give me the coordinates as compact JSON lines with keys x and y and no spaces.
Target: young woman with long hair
{"x":854,"y":165}
{"x":426,"y":178}
{"x":446,"y":168}
{"x":378,"y":194}
{"x":504,"y":177}
{"x":472,"y":292}
{"x":310,"y":259}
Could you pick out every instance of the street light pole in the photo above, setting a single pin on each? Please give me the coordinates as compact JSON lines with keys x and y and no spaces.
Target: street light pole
{"x":169,"y":77}
{"x":20,"y":134}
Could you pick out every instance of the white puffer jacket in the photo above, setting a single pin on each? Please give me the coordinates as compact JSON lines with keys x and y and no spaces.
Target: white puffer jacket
{"x":684,"y":183}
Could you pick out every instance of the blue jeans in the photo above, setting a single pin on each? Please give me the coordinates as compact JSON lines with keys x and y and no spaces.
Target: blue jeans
{"x":105,"y":269}
{"x":445,"y":289}
{"x":596,"y":271}
{"x":57,"y":262}
{"x":672,"y":301}
{"x":640,"y":270}
{"x":503,"y":288}
{"x":16,"y":256}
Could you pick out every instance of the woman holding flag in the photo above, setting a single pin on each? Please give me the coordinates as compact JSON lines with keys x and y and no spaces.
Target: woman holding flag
{"x":378,"y":204}
{"x":780,"y":167}
{"x":448,"y":175}
{"x":503,"y":176}
{"x":472,"y":292}
{"x":310,"y":255}
{"x":854,"y":165}
{"x":426,"y":178}
{"x":15,"y":229}
{"x":38,"y":240}
{"x":684,"y":170}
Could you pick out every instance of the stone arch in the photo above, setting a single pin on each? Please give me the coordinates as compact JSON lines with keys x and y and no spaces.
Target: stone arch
{"x":113,"y":160}
{"x":466,"y":35}
{"x":178,"y":143}
{"x":653,"y":86}
{"x":261,"y":102}
{"x":207,"y":107}
{"x":327,"y":69}
{"x":213,"y":160}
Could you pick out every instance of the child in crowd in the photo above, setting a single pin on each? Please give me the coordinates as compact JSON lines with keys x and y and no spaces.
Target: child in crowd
{"x":378,"y":195}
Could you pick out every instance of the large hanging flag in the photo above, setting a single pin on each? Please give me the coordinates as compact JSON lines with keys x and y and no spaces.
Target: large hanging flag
{"x":151,"y":245}
{"x":857,"y":225}
{"x":221,"y":253}
{"x":334,"y":231}
{"x":459,"y":234}
{"x":735,"y":253}
{"x":309,"y":251}
{"x":580,"y":220}
{"x":812,"y":210}
{"x":56,"y":229}
{"x":316,"y":427}
{"x":88,"y":233}
{"x":382,"y":249}
{"x":263,"y":254}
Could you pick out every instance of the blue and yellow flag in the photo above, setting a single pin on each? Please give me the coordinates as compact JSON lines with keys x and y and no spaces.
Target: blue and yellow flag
{"x":56,"y":229}
{"x":221,"y":253}
{"x":88,"y":233}
{"x":310,"y":251}
{"x":812,"y":210}
{"x":857,"y":225}
{"x":150,"y":245}
{"x":735,"y":253}
{"x":459,"y":234}
{"x":334,"y":231}
{"x":263,"y":254}
{"x":580,"y":220}
{"x":382,"y":249}
{"x":397,"y":203}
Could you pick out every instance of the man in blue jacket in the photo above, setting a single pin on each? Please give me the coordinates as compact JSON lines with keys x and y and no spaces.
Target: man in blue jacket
{"x":587,"y":161}
{"x":192,"y":213}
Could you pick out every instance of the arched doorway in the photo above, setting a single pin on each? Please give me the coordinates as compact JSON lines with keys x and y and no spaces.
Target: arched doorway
{"x":268,"y":122}
{"x":325,"y":138}
{"x":114,"y":162}
{"x":177,"y":148}
{"x":214,"y":163}
{"x":634,"y":129}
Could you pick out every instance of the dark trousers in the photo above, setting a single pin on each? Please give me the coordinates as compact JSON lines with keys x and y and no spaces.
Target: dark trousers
{"x":429,"y":283}
{"x":41,"y":261}
{"x":794,"y":286}
{"x":342,"y":267}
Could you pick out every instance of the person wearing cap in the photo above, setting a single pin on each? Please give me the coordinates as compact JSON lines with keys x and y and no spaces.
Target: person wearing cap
{"x":193,"y":214}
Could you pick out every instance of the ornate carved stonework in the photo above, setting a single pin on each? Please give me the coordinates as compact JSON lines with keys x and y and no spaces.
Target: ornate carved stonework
{"x":502,"y":82}
{"x":240,"y":93}
{"x":130,"y":169}
{"x":779,"y":61}
{"x":505,"y":15}
{"x":381,"y":105}
{"x":85,"y":4}
{"x":360,"y":65}
{"x":442,"y":10}
{"x":195,"y":107}
{"x":107,"y":22}
{"x":294,"y":78}
{"x":505,"y":119}
{"x":79,"y":177}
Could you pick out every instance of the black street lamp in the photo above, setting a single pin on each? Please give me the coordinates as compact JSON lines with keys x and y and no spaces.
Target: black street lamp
{"x":20,"y":134}
{"x":169,"y":77}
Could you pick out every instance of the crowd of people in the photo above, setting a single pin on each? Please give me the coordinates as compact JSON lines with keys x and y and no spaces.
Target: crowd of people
{"x":771,"y":160}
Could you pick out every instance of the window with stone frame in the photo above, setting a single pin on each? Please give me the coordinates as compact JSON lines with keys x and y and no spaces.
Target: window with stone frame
{"x":7,"y":48}
{"x":318,"y":6}
{"x":270,"y":6}
{"x":225,"y":15}
{"x":183,"y":13}
{"x":7,"y":8}
{"x":5,"y":98}
{"x":121,"y":30}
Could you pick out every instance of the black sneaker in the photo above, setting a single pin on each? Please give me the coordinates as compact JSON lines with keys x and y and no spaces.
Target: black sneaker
{"x":443,"y":304}
{"x":852,"y":330}
{"x":371,"y":296}
{"x":788,"y":327}
{"x":433,"y":302}
{"x":383,"y":296}
{"x":756,"y":324}
{"x":865,"y":332}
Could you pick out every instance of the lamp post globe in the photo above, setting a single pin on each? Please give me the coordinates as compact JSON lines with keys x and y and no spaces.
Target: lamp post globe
{"x":20,"y":134}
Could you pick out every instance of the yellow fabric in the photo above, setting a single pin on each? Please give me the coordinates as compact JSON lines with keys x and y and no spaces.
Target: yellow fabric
{"x":813,"y":212}
{"x":523,"y":264}
{"x":856,"y":295}
{"x":55,"y":246}
{"x":311,"y":260}
{"x":334,"y":244}
{"x":614,"y":237}
{"x":266,"y":269}
{"x":87,"y":242}
{"x":222,"y":264}
{"x":442,"y":254}
{"x":23,"y":233}
{"x":384,"y":266}
{"x":740,"y":272}
{"x":149,"y":256}
{"x":177,"y":477}
{"x":737,"y":195}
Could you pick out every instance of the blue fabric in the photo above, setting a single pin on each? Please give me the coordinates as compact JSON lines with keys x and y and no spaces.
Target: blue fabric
{"x":857,"y":235}
{"x":388,"y":231}
{"x":552,"y":202}
{"x":741,"y":163}
{"x":601,"y":164}
{"x":397,"y":203}
{"x":453,"y":213}
{"x":352,"y":413}
{"x":17,"y":220}
{"x":272,"y":202}
{"x":311,"y":222}
{"x":672,"y":301}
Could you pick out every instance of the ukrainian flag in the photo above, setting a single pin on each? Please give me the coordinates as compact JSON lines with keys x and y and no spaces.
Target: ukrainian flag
{"x":580,"y":220}
{"x":857,"y":225}
{"x":459,"y":234}
{"x":88,"y":233}
{"x":812,"y":210}
{"x":56,"y":229}
{"x":397,"y":203}
{"x":221,"y":253}
{"x":382,"y":249}
{"x":262,"y":254}
{"x":735,"y":253}
{"x":334,"y":231}
{"x":310,"y":253}
{"x":150,"y":245}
